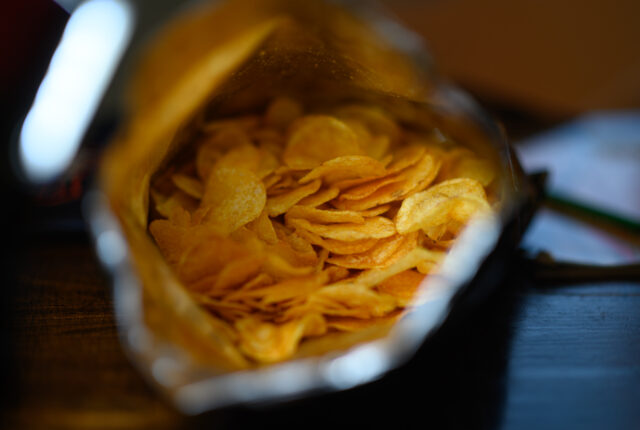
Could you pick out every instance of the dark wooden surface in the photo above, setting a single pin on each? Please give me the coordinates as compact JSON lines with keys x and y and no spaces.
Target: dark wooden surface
{"x":567,"y":357}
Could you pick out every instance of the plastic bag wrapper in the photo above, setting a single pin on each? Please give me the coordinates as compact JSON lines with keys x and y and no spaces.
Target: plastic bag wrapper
{"x":223,"y":59}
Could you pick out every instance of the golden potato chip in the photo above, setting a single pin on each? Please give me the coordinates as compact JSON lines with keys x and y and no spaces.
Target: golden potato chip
{"x":379,"y":210}
{"x":356,"y":324}
{"x":413,"y":179}
{"x":426,"y":267}
{"x":267,"y":342}
{"x":306,"y":257}
{"x":270,"y":181}
{"x":324,"y":216}
{"x":474,"y":168}
{"x":315,"y":139}
{"x":281,"y":203}
{"x":322,"y":196}
{"x":282,"y":111}
{"x":234,"y":198}
{"x":358,"y":300}
{"x":338,"y":246}
{"x":378,"y":256}
{"x":206,"y":157}
{"x":455,"y":199}
{"x":372,"y":228}
{"x":377,"y":147}
{"x":372,"y":277}
{"x":189,"y":185}
{"x":178,"y":199}
{"x":366,"y":189}
{"x":258,"y":281}
{"x":289,"y":289}
{"x":403,"y":286}
{"x":238,"y":271}
{"x":386,"y":252}
{"x":285,"y":184}
{"x":199,"y":251}
{"x":298,"y":243}
{"x":279,"y":268}
{"x":263,"y":227}
{"x":375,"y":120}
{"x":406,"y":157}
{"x":336,"y":273}
{"x":345,"y":167}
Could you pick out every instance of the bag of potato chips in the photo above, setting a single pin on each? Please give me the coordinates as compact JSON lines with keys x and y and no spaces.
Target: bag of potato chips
{"x":295,"y":192}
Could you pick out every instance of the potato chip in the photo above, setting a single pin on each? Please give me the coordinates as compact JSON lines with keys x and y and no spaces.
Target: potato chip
{"x":284,"y":249}
{"x":371,"y":278}
{"x":289,"y":289}
{"x":321,"y":197}
{"x":206,"y":157}
{"x":413,"y":179}
{"x":247,"y":156}
{"x":178,"y":200}
{"x":258,"y":281}
{"x":371,"y":228}
{"x":234,"y":198}
{"x":189,"y":185}
{"x":406,"y":157}
{"x":269,"y":342}
{"x":199,"y":251}
{"x":263,"y":227}
{"x":376,"y":257}
{"x":426,"y":267}
{"x":336,"y":273}
{"x":455,"y":199}
{"x":238,"y":271}
{"x":366,"y":189}
{"x":282,"y":111}
{"x":375,"y":120}
{"x":345,"y":167}
{"x":474,"y":168}
{"x":281,"y":203}
{"x":403,"y":286}
{"x":315,"y":139}
{"x":379,"y":210}
{"x":338,"y":246}
{"x":356,"y":324}
{"x":279,"y":268}
{"x":357,"y":299}
{"x":324,"y":216}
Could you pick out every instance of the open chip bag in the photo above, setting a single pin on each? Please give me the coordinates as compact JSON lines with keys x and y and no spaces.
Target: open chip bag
{"x":298,"y":200}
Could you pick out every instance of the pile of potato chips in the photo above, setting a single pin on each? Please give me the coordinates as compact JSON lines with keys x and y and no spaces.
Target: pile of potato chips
{"x":289,"y":224}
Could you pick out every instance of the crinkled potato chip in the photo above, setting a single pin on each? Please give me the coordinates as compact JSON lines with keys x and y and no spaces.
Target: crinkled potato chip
{"x":234,"y":197}
{"x":412,"y":179}
{"x":403,"y":286}
{"x":324,"y":216}
{"x":289,"y":225}
{"x":372,"y":228}
{"x":453,"y":200}
{"x":321,"y":197}
{"x":345,"y":167}
{"x":315,"y":139}
{"x":283,"y":202}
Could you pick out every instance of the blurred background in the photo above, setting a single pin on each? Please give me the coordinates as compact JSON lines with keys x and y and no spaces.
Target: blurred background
{"x":563,"y":77}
